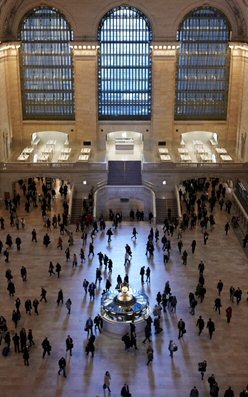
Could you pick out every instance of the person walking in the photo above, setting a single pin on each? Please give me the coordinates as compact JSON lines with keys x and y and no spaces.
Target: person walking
{"x":58,"y":269}
{"x":91,"y":250}
{"x":43,"y":294}
{"x":172,"y":348}
{"x":69,"y":344}
{"x":15,"y":317}
{"x":149,"y":353}
{"x":24,"y":273}
{"x":220,"y":286}
{"x":205,"y":237}
{"x":126,"y":340}
{"x":68,"y":304}
{"x":194,"y":392}
{"x":46,"y":347}
{"x":16,"y":341}
{"x":90,"y":347}
{"x":181,"y":328}
{"x":109,"y":233}
{"x":229,"y":392}
{"x":238,"y":295}
{"x":201,"y":267}
{"x":134,"y":235}
{"x":200,"y":324}
{"x":60,"y":297}
{"x":98,"y":321}
{"x":85,"y":285}
{"x":74,"y":261}
{"x":217,"y":304}
{"x":89,"y":326}
{"x":142,"y":274}
{"x":51,"y":268}
{"x":82,"y":255}
{"x":125,"y":391}
{"x":227,"y":228}
{"x":35,"y":305}
{"x":30,"y":338}
{"x":180,"y":246}
{"x":60,"y":243}
{"x":185,"y":257}
{"x":67,"y":254}
{"x":228,"y":314}
{"x":211,"y":327}
{"x":23,"y":339}
{"x":28,"y":306}
{"x":193,"y":246}
{"x":148,"y":333}
{"x":148,"y":274}
{"x":34,"y":235}
{"x":202,"y":367}
{"x":25,"y":356}
{"x":62,"y":366}
{"x":106,"y":381}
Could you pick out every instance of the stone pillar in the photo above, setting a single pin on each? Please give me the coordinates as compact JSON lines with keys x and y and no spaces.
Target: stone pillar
{"x":163,"y":70}
{"x":85,"y":66}
{"x":240,"y":73}
{"x":10,"y":109}
{"x":235,"y":95}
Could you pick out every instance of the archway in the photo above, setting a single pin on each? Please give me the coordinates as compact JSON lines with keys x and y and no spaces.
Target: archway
{"x":201,"y":145}
{"x":124,"y":145}
{"x":48,"y":145}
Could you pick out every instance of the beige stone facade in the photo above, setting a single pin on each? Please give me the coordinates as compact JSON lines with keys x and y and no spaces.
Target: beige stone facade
{"x":165,"y":18}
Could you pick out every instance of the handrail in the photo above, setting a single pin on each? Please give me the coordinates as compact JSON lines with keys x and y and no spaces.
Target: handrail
{"x":179,"y":210}
{"x":11,"y":166}
{"x":190,"y":166}
{"x":102,"y":166}
{"x":240,"y":206}
{"x":70,"y":203}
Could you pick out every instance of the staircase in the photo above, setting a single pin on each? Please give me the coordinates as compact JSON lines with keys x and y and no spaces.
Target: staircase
{"x":124,"y":173}
{"x":166,"y":208}
{"x":76,"y":210}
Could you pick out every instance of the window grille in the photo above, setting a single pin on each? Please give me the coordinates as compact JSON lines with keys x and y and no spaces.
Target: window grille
{"x":46,"y":65}
{"x":202,"y":74}
{"x":124,"y":65}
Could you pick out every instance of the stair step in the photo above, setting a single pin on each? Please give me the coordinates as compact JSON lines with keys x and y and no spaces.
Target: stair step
{"x":166,"y":208}
{"x":76,"y":212}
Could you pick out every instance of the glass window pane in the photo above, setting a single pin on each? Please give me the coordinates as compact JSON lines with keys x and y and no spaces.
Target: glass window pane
{"x":203,"y":66}
{"x":46,"y":65}
{"x":124,"y":63}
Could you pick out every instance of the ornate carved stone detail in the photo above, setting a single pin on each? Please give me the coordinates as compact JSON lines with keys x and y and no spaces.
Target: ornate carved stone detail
{"x":241,"y":23}
{"x":10,"y":16}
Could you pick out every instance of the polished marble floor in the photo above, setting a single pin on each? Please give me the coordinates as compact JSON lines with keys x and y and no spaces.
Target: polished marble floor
{"x":226,"y":353}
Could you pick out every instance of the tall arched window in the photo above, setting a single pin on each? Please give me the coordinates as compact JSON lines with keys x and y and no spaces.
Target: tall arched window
{"x":202,"y":66}
{"x":46,"y":65}
{"x":124,"y":74}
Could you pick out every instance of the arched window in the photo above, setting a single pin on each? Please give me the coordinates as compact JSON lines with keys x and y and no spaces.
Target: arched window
{"x":202,"y":66}
{"x":124,"y":62}
{"x":46,"y":65}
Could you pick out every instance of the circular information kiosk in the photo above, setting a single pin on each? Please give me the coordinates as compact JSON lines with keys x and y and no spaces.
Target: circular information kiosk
{"x":119,"y":308}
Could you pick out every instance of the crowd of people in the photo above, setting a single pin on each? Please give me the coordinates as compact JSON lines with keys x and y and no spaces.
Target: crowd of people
{"x":198,"y":208}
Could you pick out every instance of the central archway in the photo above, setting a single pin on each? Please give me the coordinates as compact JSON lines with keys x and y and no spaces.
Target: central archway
{"x":124,"y":146}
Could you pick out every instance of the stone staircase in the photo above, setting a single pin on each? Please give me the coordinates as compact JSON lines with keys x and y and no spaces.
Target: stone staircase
{"x":76,"y":210}
{"x":166,"y":208}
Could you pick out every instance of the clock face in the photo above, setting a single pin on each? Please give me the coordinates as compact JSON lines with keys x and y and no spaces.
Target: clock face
{"x":124,"y":289}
